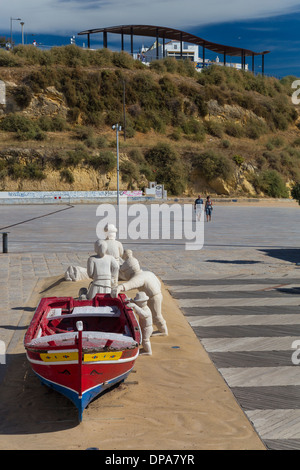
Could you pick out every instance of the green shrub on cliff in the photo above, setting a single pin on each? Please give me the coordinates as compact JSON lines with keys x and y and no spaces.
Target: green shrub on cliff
{"x":22,"y":95}
{"x":67,"y":176}
{"x":106,"y":161}
{"x":25,"y":128}
{"x":212,"y":165}
{"x":30,"y":171}
{"x":271,"y":183}
{"x":295,"y":192}
{"x":8,"y":60}
{"x":167,"y":168}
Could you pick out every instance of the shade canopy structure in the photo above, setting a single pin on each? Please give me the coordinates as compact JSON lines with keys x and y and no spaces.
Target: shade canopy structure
{"x":161,"y":32}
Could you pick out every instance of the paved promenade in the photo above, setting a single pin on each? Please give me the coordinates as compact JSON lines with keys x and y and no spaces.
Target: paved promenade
{"x":240,"y":295}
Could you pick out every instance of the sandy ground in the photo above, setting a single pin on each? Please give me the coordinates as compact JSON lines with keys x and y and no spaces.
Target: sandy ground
{"x":241,"y":201}
{"x":173,"y":400}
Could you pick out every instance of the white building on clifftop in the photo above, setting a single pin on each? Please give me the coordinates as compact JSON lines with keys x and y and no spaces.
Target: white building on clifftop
{"x":173,"y":49}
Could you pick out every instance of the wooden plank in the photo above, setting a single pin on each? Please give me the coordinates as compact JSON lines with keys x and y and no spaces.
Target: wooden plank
{"x":229,"y":294}
{"x":282,"y":444}
{"x":261,"y":376}
{"x":244,"y":320}
{"x":240,"y":301}
{"x":268,"y":397}
{"x":260,"y":343}
{"x":237,"y":310}
{"x":238,"y":331}
{"x":251,"y":358}
{"x":276,"y":424}
{"x":230,"y":281}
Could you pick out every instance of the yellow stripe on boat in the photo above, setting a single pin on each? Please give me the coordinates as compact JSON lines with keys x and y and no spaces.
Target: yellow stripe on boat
{"x":104,"y":356}
{"x":59,"y":357}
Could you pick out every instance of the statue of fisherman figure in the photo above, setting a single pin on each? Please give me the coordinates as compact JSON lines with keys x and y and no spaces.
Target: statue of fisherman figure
{"x":114,"y":247}
{"x":103,"y":269}
{"x":145,"y":281}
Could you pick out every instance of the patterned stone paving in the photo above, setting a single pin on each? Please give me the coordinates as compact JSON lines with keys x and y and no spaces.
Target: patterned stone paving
{"x":240,"y":295}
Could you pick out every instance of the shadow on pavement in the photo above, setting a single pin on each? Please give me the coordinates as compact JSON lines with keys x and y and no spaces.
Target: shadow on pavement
{"x":285,"y":254}
{"x":55,"y":284}
{"x":236,"y":261}
{"x":292,"y":290}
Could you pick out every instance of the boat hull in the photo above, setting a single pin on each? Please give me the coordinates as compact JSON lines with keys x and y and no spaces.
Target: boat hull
{"x":82,"y":381}
{"x":81,"y":402}
{"x":82,"y":364}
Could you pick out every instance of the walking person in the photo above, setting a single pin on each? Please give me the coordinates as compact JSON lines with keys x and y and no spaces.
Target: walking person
{"x":198,"y":206}
{"x":208,"y":208}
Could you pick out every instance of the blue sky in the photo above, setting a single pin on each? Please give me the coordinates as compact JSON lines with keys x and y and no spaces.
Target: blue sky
{"x":257,"y":24}
{"x":280,"y":35}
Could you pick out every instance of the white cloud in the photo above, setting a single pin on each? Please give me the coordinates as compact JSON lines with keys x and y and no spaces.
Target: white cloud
{"x":72,"y":16}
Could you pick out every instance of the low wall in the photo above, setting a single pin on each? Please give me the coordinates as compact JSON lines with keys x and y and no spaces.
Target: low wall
{"x":68,"y":197}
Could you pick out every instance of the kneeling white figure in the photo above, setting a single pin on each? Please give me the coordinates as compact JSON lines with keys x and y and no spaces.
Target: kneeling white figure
{"x":140,"y":307}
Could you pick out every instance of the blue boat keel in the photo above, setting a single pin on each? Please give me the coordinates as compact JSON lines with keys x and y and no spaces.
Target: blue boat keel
{"x":81,"y":402}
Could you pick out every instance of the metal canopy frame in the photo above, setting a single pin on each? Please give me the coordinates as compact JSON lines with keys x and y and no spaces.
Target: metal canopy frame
{"x":174,"y":34}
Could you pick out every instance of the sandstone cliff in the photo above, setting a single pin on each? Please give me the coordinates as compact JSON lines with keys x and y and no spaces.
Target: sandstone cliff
{"x":228,"y":133}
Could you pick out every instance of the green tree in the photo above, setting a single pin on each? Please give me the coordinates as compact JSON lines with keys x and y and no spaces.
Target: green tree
{"x":271,"y":183}
{"x":295,"y":192}
{"x":3,"y":41}
{"x":212,"y":165}
{"x":167,"y":167}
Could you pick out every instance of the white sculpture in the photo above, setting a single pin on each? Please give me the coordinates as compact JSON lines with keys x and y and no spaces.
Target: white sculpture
{"x":114,"y":247}
{"x":139,"y":305}
{"x":124,"y":273}
{"x":103,"y":269}
{"x":145,"y":281}
{"x":76,"y":273}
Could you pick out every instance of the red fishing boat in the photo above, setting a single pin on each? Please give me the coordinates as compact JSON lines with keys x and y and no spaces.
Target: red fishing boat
{"x":82,"y":347}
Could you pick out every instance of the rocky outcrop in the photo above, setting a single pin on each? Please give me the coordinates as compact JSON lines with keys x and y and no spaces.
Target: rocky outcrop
{"x":221,"y":187}
{"x":242,"y":176}
{"x":231,"y":112}
{"x":49,"y":103}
